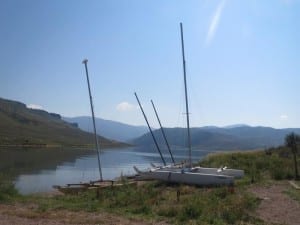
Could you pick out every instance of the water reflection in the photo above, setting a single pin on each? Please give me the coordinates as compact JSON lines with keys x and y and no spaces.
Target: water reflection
{"x":37,"y":170}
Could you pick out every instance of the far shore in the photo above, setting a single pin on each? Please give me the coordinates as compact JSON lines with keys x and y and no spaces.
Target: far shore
{"x":87,"y":146}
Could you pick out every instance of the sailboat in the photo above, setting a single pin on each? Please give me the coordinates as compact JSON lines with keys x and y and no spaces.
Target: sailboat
{"x":82,"y":186}
{"x":188,"y":174}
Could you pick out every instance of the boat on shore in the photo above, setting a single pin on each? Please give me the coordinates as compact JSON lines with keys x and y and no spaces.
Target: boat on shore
{"x":93,"y":185}
{"x":185,"y":176}
{"x":186,"y":173}
{"x":236,"y":173}
{"x":77,"y":187}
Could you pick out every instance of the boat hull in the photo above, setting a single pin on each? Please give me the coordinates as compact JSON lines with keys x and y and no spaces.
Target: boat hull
{"x":237,"y":174}
{"x":98,"y":185}
{"x":191,"y":178}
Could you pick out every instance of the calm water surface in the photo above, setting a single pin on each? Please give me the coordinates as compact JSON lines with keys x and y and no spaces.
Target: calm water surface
{"x":39,"y":170}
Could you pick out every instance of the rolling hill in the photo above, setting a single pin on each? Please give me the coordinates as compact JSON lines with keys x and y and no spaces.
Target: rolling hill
{"x":108,"y":128}
{"x":215,"y":138}
{"x":20,"y":125}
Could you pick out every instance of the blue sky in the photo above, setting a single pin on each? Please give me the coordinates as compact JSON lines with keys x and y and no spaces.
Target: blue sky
{"x":243,"y":59}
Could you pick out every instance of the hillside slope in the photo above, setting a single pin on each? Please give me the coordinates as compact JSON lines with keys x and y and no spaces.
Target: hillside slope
{"x":20,"y":125}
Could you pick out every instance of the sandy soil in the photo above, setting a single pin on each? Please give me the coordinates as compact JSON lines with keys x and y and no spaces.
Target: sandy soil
{"x":276,"y":206}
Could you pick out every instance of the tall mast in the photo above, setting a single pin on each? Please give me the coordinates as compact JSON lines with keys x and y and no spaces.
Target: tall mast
{"x":163,"y":132}
{"x":161,"y":156}
{"x":186,"y":100}
{"x":93,"y":116}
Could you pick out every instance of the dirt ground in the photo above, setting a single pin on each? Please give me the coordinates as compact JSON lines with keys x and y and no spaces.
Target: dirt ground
{"x":276,"y":206}
{"x":27,"y":215}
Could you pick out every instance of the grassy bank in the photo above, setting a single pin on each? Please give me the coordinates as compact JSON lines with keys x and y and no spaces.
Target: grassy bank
{"x":259,"y":166}
{"x":179,"y":204}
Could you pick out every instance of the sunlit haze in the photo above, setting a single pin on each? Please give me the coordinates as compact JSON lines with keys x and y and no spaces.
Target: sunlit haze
{"x":242,"y":59}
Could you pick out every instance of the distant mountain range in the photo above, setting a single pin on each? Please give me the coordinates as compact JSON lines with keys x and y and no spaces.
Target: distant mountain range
{"x":108,"y":128}
{"x":233,"y":137}
{"x":236,"y":137}
{"x":20,"y":125}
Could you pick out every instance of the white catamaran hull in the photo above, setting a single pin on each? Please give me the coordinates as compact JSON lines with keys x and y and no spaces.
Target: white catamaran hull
{"x":184,"y":177}
{"x":237,"y":174}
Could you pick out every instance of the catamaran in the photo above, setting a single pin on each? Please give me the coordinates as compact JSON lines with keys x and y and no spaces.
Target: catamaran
{"x":223,"y":170}
{"x":181,"y":173}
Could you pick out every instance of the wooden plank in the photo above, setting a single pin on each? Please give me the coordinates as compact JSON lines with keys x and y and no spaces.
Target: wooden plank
{"x":294,"y":185}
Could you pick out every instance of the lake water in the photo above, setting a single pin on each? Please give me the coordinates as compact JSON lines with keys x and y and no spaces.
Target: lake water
{"x":38,"y":170}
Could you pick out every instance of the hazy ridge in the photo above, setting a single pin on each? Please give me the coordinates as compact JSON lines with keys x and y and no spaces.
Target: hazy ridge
{"x":24,"y":126}
{"x":108,"y":128}
{"x":216,"y":138}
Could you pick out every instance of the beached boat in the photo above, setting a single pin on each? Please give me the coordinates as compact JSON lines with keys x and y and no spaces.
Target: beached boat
{"x":69,"y":188}
{"x":236,"y":173}
{"x":98,"y":185}
{"x":188,"y":175}
{"x":185,"y":176}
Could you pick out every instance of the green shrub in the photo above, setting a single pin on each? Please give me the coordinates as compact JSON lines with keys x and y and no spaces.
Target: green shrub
{"x":280,"y":168}
{"x":7,"y":190}
{"x":279,"y":173}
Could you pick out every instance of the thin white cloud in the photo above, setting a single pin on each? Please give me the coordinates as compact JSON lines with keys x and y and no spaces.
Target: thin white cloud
{"x":125,"y":107}
{"x":215,"y":22}
{"x":34,"y":106}
{"x":284,"y":117}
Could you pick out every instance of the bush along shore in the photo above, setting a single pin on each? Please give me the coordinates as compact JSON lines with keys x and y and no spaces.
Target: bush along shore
{"x":176,"y":204}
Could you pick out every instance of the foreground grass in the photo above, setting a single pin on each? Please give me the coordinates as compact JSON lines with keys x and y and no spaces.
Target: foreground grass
{"x":179,"y":204}
{"x":156,"y":201}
